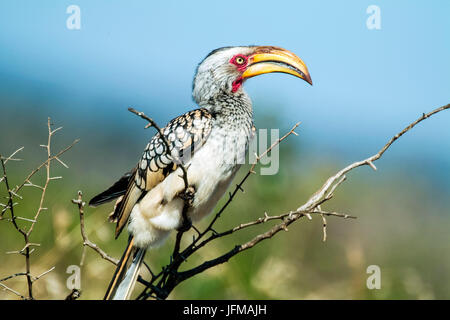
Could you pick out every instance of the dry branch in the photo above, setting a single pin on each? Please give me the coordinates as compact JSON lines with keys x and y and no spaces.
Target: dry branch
{"x":86,"y":242}
{"x":160,"y":285}
{"x":13,"y":193}
{"x":170,"y":277}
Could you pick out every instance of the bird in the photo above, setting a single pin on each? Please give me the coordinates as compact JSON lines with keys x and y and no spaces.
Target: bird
{"x":209,"y":142}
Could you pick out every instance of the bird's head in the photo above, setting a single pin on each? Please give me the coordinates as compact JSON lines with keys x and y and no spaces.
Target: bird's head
{"x":224,"y":70}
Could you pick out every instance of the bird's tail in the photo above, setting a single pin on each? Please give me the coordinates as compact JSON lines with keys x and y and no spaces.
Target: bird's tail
{"x":124,"y":279}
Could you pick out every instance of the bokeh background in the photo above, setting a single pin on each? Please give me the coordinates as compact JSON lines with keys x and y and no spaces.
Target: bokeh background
{"x":368,"y":85}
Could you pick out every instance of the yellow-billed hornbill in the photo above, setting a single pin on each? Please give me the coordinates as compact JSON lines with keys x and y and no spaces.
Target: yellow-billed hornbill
{"x":209,"y":140}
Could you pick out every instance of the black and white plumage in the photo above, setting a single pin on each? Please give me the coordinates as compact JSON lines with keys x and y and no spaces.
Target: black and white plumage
{"x":184,"y":134}
{"x":210,"y":141}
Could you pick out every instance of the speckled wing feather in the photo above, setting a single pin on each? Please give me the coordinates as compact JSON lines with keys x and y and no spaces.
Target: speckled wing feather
{"x":185,"y":135}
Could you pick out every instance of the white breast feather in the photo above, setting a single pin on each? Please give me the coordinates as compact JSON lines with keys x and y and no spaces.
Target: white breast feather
{"x":160,"y":211}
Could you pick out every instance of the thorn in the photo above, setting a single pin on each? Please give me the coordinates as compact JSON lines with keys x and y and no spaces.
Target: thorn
{"x":13,"y":252}
{"x":60,"y":161}
{"x":30,"y":184}
{"x":308,"y":216}
{"x":26,"y":219}
{"x":15,"y":194}
{"x":11,"y":159}
{"x":57,"y":129}
{"x":370,"y":163}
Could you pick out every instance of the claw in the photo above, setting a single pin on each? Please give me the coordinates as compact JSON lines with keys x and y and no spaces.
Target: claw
{"x":188,"y":194}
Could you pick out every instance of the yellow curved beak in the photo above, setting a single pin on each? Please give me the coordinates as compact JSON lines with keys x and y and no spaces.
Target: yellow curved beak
{"x":273,"y":59}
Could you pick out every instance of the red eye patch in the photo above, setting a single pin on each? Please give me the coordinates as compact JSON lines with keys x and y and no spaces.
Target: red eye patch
{"x":240,"y":61}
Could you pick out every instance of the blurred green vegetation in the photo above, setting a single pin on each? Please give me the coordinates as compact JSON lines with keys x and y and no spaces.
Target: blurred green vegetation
{"x":402,"y":226}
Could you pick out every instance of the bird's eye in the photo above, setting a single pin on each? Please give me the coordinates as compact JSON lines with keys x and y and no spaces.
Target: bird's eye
{"x":239,"y":60}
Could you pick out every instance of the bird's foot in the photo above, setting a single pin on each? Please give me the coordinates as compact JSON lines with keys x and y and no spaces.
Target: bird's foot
{"x":188,"y":195}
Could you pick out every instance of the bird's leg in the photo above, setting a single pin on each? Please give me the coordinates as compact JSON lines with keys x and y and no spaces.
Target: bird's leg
{"x":188,"y":197}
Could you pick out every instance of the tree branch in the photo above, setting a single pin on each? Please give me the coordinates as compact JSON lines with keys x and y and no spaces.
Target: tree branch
{"x":162,"y":284}
{"x":26,"y":251}
{"x":86,"y":241}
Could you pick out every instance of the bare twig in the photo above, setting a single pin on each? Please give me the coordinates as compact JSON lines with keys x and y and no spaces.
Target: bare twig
{"x":328,"y":188}
{"x":152,"y":123}
{"x":6,"y":288}
{"x":86,"y":241}
{"x":11,"y":157}
{"x":13,"y":276}
{"x":43,"y":274}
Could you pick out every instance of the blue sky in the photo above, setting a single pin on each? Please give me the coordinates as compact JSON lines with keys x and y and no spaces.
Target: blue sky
{"x":368,"y":84}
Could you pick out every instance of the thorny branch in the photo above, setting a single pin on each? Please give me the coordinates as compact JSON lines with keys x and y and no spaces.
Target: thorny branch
{"x":13,"y":193}
{"x":160,"y":285}
{"x":86,"y":241}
